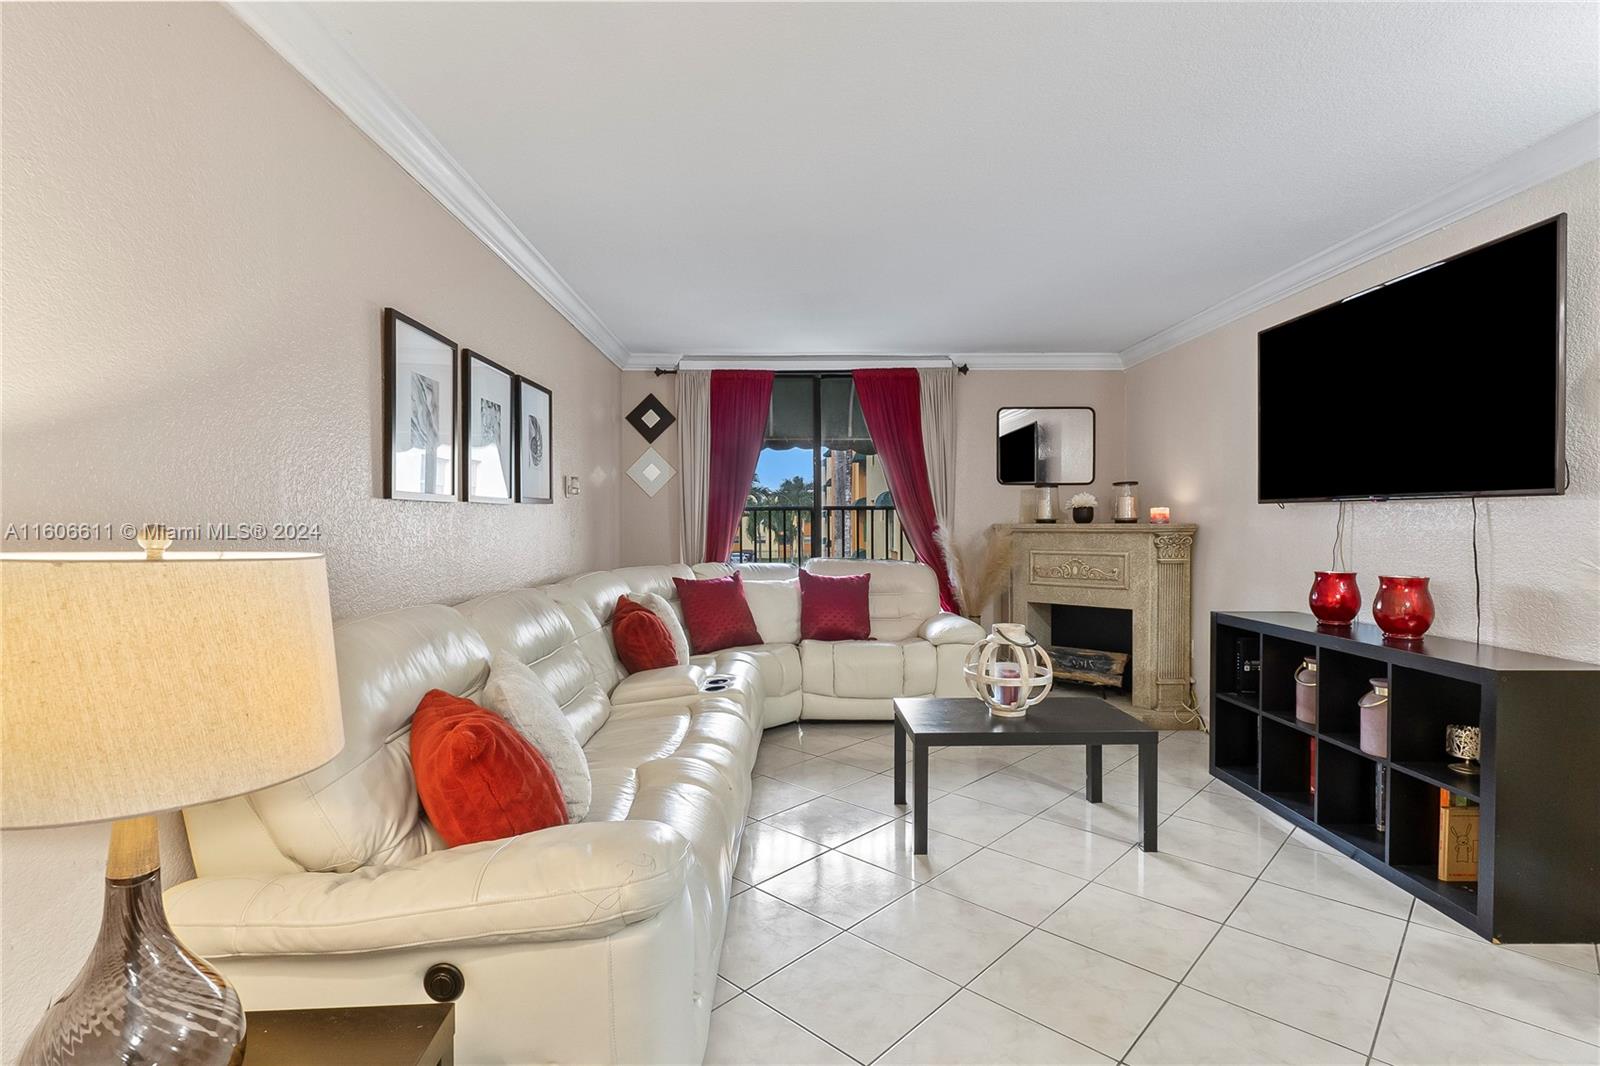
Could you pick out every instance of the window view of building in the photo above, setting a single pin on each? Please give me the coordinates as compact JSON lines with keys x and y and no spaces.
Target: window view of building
{"x":816,"y":434}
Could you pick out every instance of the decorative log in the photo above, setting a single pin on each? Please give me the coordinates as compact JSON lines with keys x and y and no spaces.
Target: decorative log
{"x":1088,"y":666}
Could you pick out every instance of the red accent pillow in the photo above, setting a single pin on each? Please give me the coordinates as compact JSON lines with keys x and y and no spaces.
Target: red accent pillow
{"x":716,"y":614}
{"x":477,"y":777}
{"x":641,"y":639}
{"x":834,"y":608}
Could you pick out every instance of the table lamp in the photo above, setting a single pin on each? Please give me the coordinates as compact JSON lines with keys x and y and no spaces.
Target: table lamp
{"x":135,"y":683}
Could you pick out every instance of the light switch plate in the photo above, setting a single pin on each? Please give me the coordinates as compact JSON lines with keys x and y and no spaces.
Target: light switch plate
{"x":573,"y":486}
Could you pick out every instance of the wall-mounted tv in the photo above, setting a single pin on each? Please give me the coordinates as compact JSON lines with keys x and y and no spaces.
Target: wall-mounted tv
{"x":1446,"y":381}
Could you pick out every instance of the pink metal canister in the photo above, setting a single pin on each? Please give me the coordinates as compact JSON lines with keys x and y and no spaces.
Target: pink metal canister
{"x":1375,"y":719}
{"x":1305,"y":691}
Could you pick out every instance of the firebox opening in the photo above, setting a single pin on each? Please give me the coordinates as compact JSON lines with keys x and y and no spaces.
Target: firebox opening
{"x":1096,"y":628}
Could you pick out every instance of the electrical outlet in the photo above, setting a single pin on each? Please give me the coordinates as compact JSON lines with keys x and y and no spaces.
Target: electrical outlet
{"x":573,"y":486}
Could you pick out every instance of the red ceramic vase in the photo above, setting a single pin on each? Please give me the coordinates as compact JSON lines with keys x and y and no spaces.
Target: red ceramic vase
{"x":1403,"y":607}
{"x":1335,"y":599}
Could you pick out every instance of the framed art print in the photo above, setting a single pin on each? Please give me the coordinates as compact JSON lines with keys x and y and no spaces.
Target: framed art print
{"x":535,"y":466}
{"x":488,"y":429}
{"x":419,"y":409}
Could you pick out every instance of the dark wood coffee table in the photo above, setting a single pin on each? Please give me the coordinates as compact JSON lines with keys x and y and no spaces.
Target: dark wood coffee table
{"x":1057,"y":720}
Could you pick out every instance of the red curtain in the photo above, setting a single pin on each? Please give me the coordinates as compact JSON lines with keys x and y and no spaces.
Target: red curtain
{"x":891,"y":400}
{"x":740,"y":403}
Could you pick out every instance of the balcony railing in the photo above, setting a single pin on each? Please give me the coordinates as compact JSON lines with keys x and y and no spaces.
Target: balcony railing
{"x":783,"y":534}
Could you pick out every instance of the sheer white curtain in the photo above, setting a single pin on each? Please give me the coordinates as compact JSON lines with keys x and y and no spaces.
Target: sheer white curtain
{"x":938,"y":395}
{"x":694,"y":458}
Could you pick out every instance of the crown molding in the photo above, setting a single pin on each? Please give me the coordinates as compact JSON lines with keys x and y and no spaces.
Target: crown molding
{"x":1040,"y":360}
{"x":1571,"y":147}
{"x":296,"y":34}
{"x":733,"y":360}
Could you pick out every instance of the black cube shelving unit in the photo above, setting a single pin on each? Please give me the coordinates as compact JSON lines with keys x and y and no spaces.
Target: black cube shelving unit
{"x":1538,"y":791}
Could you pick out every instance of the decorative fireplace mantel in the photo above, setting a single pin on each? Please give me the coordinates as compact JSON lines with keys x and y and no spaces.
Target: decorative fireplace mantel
{"x":1139,"y":568}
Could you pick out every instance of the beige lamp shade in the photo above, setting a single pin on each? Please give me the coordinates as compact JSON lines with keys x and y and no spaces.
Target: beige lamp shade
{"x":135,"y":685}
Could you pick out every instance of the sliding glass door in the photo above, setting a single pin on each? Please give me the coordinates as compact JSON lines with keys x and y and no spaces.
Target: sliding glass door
{"x":816,"y":436}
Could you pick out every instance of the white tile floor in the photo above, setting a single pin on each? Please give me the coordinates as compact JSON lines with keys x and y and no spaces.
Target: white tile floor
{"x":1034,"y":932}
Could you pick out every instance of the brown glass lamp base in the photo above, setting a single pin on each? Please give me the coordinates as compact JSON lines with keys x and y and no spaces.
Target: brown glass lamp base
{"x":142,"y":997}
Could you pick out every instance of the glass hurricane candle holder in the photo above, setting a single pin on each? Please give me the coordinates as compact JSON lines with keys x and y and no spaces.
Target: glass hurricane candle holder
{"x":1126,"y":504}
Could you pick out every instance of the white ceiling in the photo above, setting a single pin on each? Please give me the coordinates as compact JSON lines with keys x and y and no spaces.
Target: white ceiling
{"x":967,"y":178}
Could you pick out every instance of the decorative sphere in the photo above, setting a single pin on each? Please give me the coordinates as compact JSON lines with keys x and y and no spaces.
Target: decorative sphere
{"x":1008,"y":670}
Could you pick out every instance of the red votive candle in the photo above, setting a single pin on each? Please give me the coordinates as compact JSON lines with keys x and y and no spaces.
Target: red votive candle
{"x":1160,"y":516}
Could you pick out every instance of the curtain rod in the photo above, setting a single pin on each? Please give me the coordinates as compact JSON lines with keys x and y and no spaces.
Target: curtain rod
{"x":961,"y":368}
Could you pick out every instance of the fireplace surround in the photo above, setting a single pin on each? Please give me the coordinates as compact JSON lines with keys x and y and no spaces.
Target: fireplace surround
{"x":1143,"y":569}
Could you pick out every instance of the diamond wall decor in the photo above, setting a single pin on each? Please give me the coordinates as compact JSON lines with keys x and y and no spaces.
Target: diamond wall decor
{"x":651,"y":472}
{"x":650,"y":418}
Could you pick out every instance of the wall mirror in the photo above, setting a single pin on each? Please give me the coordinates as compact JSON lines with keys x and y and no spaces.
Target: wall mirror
{"x":1044,"y":446}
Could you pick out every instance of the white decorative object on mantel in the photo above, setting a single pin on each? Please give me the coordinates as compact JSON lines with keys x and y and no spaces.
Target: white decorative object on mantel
{"x":651,"y":472}
{"x":1008,"y":670}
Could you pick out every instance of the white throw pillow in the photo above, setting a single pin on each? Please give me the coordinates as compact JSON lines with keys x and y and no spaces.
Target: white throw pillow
{"x":516,"y":694}
{"x":659,"y":607}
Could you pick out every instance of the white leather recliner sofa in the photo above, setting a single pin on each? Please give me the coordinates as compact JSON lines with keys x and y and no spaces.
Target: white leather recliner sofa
{"x":915,"y":650}
{"x":596,"y":942}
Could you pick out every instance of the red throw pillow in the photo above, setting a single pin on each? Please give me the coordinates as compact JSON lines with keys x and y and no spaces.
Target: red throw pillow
{"x":641,"y":639}
{"x":716,"y":614}
{"x":834,"y":608}
{"x":477,"y":777}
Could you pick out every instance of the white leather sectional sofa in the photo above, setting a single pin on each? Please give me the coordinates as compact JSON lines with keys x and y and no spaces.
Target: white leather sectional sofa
{"x":595,"y":942}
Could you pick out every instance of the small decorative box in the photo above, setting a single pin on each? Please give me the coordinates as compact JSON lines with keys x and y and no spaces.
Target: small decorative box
{"x":1458,"y":837}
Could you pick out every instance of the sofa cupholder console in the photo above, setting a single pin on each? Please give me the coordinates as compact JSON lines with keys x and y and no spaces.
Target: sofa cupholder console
{"x":716,"y":682}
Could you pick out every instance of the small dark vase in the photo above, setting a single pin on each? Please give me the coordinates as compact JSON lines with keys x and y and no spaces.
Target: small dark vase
{"x":1403,"y":608}
{"x":1083,"y":515}
{"x":1335,"y":599}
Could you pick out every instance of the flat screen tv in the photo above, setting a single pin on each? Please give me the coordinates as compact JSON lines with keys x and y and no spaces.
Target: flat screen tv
{"x":1447,"y":381}
{"x":1019,"y":455}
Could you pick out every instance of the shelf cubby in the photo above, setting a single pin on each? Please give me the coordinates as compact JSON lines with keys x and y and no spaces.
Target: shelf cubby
{"x":1413,"y":822}
{"x":1347,"y":797}
{"x":1414,"y":844}
{"x":1342,"y":679}
{"x":1224,"y":670}
{"x":1286,"y":760}
{"x":1540,"y":718}
{"x":1421,"y":705}
{"x":1235,"y":740}
{"x":1280,"y":658}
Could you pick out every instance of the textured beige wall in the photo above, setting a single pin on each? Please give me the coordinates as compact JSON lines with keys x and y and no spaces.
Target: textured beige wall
{"x":650,"y":527}
{"x":981,"y":500}
{"x":1192,"y":434}
{"x":197,"y":248}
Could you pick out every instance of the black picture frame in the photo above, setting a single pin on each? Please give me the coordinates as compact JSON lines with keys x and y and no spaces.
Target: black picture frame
{"x":536,"y":440}
{"x":430,"y":399}
{"x":479,"y":372}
